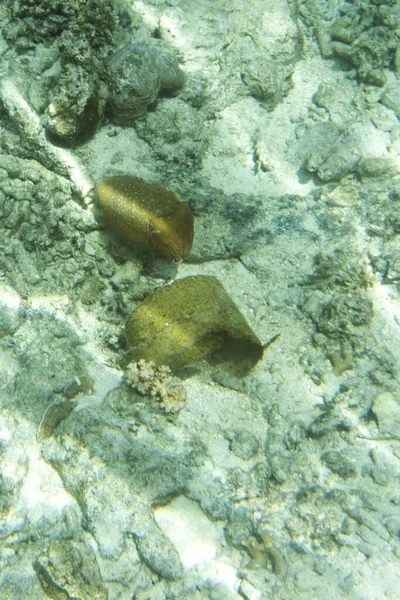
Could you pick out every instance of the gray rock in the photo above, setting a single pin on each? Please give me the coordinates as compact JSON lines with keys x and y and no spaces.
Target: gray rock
{"x":243,"y":443}
{"x":156,"y":550}
{"x":341,"y":162}
{"x":76,"y":108}
{"x":137,"y":73}
{"x":134,"y":81}
{"x":338,"y":463}
{"x":391,"y":97}
{"x":387,"y":410}
{"x":262,"y":80}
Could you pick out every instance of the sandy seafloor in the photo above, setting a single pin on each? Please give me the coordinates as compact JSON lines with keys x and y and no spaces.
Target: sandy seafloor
{"x":283,"y":484}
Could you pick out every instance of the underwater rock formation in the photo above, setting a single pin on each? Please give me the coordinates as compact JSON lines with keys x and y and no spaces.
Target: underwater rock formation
{"x":147,"y":213}
{"x":134,"y":82}
{"x":77,"y":108}
{"x":367,"y":37}
{"x":78,"y":36}
{"x":78,"y":77}
{"x":137,"y":74}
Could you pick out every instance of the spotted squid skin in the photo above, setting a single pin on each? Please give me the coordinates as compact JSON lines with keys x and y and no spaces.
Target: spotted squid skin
{"x":146,"y":213}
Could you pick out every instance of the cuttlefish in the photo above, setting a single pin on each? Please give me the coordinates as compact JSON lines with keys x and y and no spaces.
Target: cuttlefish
{"x":147,"y":213}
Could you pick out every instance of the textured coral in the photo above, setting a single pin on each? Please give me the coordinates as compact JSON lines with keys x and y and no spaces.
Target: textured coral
{"x":77,"y":106}
{"x":80,"y":34}
{"x":367,"y":37}
{"x":86,"y":67}
{"x":157,"y":382}
{"x":42,"y":20}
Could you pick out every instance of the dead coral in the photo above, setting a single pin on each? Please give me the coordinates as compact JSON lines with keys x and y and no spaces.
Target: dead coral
{"x":265,"y":554}
{"x":340,"y":267}
{"x":342,"y":360}
{"x":344,"y":314}
{"x":148,"y":379}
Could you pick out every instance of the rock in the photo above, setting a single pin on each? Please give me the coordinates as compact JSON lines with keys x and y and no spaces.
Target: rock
{"x":387,"y":410}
